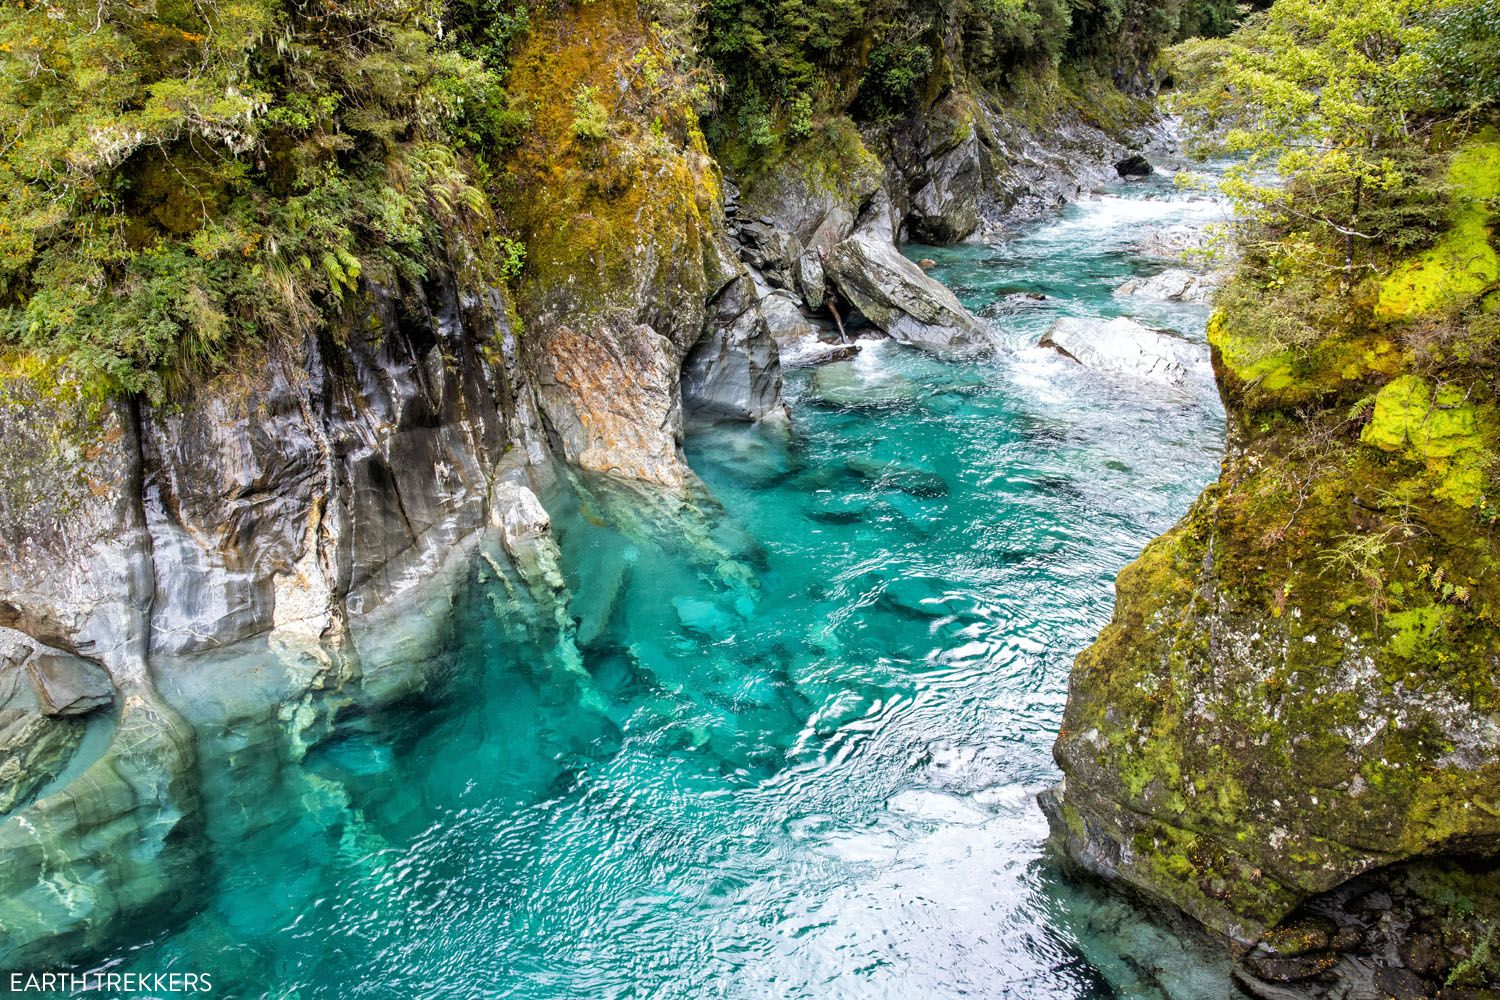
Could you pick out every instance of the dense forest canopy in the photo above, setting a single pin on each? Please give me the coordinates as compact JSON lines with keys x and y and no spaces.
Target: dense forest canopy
{"x":178,"y":179}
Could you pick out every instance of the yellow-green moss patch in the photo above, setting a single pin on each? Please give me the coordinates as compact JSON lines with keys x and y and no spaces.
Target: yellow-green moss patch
{"x":1438,"y":426}
{"x":1463,"y":263}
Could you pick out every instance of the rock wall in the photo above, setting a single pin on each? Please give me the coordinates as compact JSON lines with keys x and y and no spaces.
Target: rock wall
{"x":628,"y":268}
{"x":1291,"y":728}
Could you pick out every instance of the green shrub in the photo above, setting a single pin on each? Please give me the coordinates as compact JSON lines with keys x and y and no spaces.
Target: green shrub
{"x":590,"y":118}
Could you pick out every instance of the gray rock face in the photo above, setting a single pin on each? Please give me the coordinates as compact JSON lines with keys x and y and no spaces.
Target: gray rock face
{"x":1123,"y":347}
{"x":1174,"y":285}
{"x":734,"y":371}
{"x":811,"y":281}
{"x":946,"y":209}
{"x":339,"y":479}
{"x":68,"y":685}
{"x":895,"y":295}
{"x":74,"y":553}
{"x":282,"y":508}
{"x":814,"y":204}
{"x":786,"y":321}
{"x":969,"y":167}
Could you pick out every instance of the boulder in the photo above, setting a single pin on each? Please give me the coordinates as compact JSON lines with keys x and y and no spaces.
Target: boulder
{"x":767,"y":249}
{"x":68,"y":685}
{"x":1123,"y":347}
{"x":1174,"y":242}
{"x":898,"y":297}
{"x":858,"y":385}
{"x":785,"y":320}
{"x":1134,"y":165}
{"x":1173,"y":285}
{"x":811,"y":281}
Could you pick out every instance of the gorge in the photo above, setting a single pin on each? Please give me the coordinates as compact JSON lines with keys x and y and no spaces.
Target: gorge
{"x":554,"y":602}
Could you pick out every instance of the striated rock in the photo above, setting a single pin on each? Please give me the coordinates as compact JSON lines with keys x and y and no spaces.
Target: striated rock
{"x":75,"y":568}
{"x":1123,"y":347}
{"x":277,"y":510}
{"x":734,"y":371}
{"x":1174,"y":285}
{"x":34,"y":748}
{"x":331,"y":482}
{"x":899,"y":298}
{"x":122,"y":837}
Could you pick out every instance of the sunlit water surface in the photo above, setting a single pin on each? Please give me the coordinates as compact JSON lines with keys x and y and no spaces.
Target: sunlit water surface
{"x":808,"y":763}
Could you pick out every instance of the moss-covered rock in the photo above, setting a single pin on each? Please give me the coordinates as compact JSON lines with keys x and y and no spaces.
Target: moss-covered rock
{"x":1298,"y":685}
{"x":621,"y":209}
{"x":1462,"y":263}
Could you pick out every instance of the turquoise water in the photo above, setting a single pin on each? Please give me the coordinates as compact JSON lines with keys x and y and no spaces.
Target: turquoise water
{"x":795,"y":747}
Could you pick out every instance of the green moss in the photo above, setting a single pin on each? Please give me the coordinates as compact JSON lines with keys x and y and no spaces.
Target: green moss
{"x":1439,"y":427}
{"x":1250,"y":359}
{"x":1463,"y":263}
{"x":617,"y":214}
{"x":1417,"y":630}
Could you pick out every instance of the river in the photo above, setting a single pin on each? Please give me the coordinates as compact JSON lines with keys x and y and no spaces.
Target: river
{"x":796,"y":749}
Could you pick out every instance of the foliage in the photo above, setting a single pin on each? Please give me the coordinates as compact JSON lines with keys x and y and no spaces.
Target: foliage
{"x":590,"y":118}
{"x":1339,"y":111}
{"x":880,"y":59}
{"x":181,"y":178}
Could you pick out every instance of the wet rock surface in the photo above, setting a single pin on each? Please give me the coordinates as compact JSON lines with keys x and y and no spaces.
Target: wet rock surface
{"x":1124,"y":347}
{"x":1174,"y":285}
{"x":899,"y":298}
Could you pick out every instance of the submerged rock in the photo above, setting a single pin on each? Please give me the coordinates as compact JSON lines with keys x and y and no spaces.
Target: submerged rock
{"x":1174,"y":285}
{"x":857,"y":385}
{"x":1123,"y":347}
{"x":34,"y":749}
{"x":909,"y":479}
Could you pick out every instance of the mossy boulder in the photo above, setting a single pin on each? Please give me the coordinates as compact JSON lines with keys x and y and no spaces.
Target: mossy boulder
{"x":621,"y":209}
{"x":1297,"y":689}
{"x":1463,"y":263}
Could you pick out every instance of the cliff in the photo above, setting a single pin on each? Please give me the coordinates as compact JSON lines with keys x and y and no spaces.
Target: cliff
{"x":1289,"y":729}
